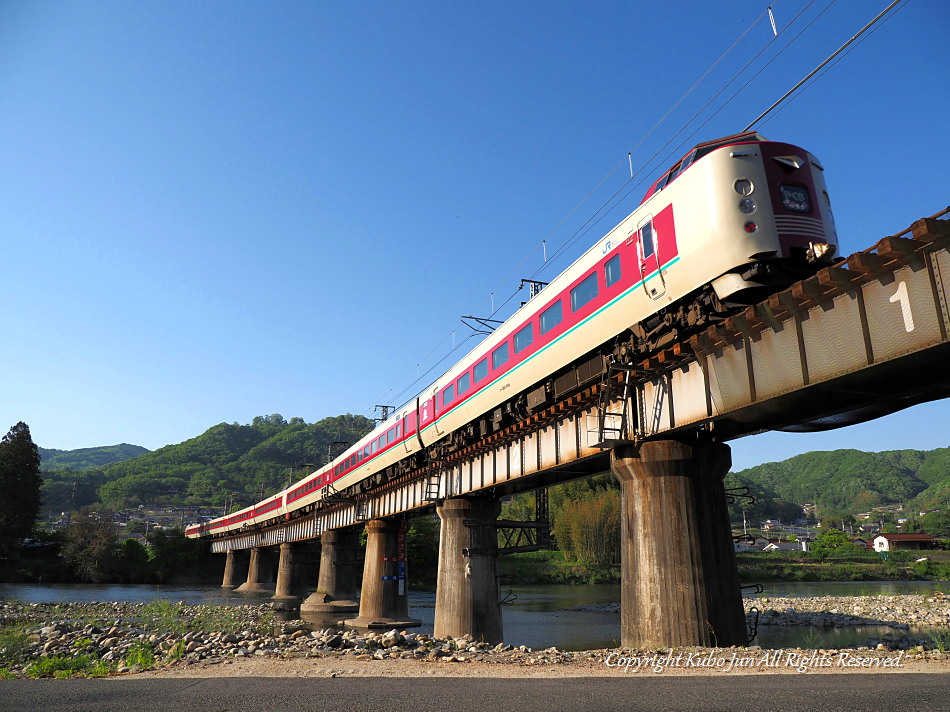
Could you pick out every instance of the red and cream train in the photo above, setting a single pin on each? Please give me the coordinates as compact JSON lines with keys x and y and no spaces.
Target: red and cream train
{"x":732,"y":221}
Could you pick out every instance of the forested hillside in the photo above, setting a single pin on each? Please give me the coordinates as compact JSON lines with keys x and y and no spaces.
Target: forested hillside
{"x":244,"y":460}
{"x":228,"y":459}
{"x":855,"y":481}
{"x":88,"y":456}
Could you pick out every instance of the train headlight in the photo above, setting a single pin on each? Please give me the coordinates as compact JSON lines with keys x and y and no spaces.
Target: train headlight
{"x":750,"y":227}
{"x":744,"y":186}
{"x":747,"y":206}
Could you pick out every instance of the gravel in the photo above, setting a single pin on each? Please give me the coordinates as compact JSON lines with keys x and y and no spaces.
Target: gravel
{"x":112,"y":631}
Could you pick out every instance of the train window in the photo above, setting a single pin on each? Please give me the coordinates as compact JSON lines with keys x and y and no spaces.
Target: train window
{"x":463,"y":383}
{"x":499,"y":356}
{"x":647,"y":240}
{"x":551,"y":317}
{"x":481,"y":370}
{"x":685,"y":163}
{"x":584,"y":292}
{"x":612,"y":271}
{"x":524,"y":338}
{"x":390,"y":435}
{"x":398,"y":429}
{"x":661,"y":184}
{"x":448,"y":394}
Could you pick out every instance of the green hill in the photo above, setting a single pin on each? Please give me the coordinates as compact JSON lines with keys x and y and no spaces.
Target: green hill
{"x":88,"y":456}
{"x":855,"y":481}
{"x":242,"y":461}
{"x":226,"y":460}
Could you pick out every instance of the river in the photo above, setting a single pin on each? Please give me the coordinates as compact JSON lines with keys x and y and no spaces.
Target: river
{"x":533,"y":615}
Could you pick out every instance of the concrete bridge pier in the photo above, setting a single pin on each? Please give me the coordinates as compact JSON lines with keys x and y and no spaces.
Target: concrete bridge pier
{"x":337,"y":585}
{"x":259,"y":572}
{"x":235,"y":568}
{"x":466,"y":600}
{"x":679,"y":581}
{"x":384,"y":602}
{"x":287,"y":590}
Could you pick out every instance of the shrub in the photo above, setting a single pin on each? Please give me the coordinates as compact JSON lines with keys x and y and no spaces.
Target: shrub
{"x":588,"y":530}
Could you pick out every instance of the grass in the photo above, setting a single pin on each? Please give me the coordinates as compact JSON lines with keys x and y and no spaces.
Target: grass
{"x":164,"y":616}
{"x":941,"y":640}
{"x":14,"y":644}
{"x":551,"y":566}
{"x":66,"y":666}
{"x":855,"y":566}
{"x":167,"y":617}
{"x":159,"y":616}
{"x":224,"y":619}
{"x":140,"y":653}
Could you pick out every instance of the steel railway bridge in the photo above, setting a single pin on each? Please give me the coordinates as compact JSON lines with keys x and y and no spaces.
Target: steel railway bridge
{"x":855,"y":341}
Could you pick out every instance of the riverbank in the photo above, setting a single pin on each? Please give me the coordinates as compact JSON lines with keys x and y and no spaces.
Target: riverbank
{"x":64,"y":640}
{"x":551,"y":567}
{"x":900,"y":612}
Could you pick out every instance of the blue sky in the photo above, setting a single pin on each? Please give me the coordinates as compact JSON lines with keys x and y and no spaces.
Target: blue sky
{"x":216,"y":210}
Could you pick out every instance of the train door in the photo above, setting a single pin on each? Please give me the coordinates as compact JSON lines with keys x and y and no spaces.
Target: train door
{"x":436,"y":410}
{"x":408,"y":421}
{"x":647,"y":249}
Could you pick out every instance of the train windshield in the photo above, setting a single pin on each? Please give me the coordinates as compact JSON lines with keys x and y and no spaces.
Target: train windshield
{"x":704,"y":149}
{"x":695,"y":154}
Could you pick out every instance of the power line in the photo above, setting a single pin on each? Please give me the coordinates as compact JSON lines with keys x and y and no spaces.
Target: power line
{"x":606,"y":208}
{"x":816,"y":69}
{"x":834,"y":64}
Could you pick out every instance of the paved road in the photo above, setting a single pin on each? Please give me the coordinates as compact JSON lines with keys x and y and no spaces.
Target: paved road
{"x":759,"y":693}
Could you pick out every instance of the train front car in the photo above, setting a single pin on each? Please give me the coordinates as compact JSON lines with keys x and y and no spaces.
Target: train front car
{"x":759,"y":212}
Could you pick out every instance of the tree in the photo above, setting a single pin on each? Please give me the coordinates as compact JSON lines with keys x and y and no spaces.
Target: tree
{"x":173,"y":554}
{"x":20,"y":483}
{"x":937,"y":524}
{"x":134,"y":563}
{"x":588,"y":530}
{"x":89,"y":548}
{"x":422,"y":549}
{"x":833,"y":540}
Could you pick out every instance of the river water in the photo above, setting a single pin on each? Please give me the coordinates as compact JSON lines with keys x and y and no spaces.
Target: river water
{"x":533,"y":615}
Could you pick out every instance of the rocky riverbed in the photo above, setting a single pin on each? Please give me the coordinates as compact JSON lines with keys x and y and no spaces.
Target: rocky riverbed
{"x":116,"y":638}
{"x":899,"y":612}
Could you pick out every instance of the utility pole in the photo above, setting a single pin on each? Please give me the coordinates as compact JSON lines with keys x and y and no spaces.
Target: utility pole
{"x":72,"y":499}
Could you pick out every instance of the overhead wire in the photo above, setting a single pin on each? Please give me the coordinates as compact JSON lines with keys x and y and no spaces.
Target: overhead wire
{"x":674,"y":152}
{"x":833,"y":64}
{"x":816,"y":69}
{"x":584,"y":229}
{"x":571,"y":240}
